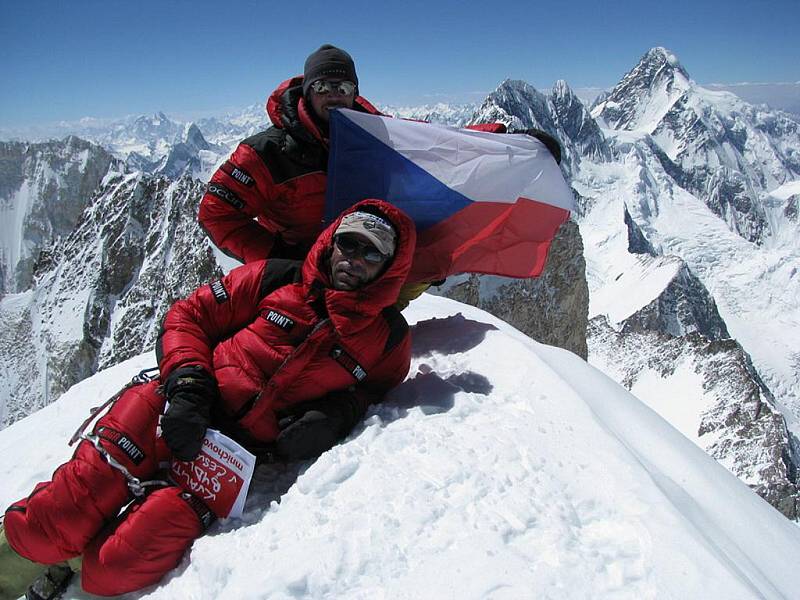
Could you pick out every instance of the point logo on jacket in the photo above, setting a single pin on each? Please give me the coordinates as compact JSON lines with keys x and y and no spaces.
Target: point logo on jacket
{"x":348,"y":362}
{"x":282,"y":321}
{"x":123,"y":442}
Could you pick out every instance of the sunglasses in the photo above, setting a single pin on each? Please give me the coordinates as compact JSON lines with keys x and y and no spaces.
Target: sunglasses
{"x":352,"y":248}
{"x":324,"y":87}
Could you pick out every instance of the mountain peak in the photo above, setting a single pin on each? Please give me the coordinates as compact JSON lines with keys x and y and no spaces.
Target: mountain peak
{"x":661,"y":53}
{"x":646,"y":93}
{"x":561,"y":89}
{"x":660,"y":59}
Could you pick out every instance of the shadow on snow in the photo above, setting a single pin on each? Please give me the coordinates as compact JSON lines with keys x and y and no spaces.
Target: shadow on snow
{"x":426,"y":391}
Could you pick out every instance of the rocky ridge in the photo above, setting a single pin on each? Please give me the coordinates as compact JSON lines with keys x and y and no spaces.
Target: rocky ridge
{"x":731,"y":414}
{"x":100,"y":295}
{"x":44,"y":188}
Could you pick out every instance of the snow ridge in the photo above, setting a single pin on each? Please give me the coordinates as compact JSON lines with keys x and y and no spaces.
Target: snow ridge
{"x":497,"y":453}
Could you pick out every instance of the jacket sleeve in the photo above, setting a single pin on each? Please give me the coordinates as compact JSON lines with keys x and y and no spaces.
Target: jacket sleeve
{"x":194,"y":325}
{"x":239,"y":190}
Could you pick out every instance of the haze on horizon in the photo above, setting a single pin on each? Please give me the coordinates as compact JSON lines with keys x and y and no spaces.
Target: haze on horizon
{"x":64,"y":62}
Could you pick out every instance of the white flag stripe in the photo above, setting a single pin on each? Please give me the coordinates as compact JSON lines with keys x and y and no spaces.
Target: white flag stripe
{"x":484,"y":167}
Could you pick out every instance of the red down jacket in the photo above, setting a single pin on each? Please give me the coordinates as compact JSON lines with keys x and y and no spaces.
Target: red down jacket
{"x":270,"y":350}
{"x":279,"y":177}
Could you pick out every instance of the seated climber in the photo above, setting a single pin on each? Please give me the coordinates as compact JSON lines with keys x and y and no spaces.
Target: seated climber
{"x":282,"y":356}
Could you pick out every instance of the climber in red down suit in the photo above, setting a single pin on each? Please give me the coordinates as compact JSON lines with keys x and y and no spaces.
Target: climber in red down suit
{"x":280,"y":355}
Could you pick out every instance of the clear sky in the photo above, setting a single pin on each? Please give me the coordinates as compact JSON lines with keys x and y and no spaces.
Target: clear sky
{"x":70,"y":59}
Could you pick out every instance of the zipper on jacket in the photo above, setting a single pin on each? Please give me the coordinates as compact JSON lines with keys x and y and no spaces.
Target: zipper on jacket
{"x":271,"y":385}
{"x":248,"y":405}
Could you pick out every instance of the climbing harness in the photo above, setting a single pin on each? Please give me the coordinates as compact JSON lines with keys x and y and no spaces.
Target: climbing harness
{"x":135,"y":485}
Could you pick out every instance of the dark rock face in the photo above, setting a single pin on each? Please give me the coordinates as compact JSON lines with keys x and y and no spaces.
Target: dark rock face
{"x":552,"y":309}
{"x":637,"y":242}
{"x":684,"y":307}
{"x":46,"y":187}
{"x":136,"y":249}
{"x":792,"y":207}
{"x":738,"y":423}
{"x":729,"y":196}
{"x":582,"y":134}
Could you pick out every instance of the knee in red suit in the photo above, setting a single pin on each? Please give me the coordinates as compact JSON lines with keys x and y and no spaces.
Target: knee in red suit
{"x":61,"y":516}
{"x":57,"y":521}
{"x":128,"y":431}
{"x":147,"y":542}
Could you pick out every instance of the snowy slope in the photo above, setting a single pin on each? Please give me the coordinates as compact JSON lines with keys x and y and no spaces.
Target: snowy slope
{"x":755,"y":287}
{"x":457,"y":115}
{"x":501,"y":469}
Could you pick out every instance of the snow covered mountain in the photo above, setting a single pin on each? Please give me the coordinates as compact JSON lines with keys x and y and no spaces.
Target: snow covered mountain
{"x":501,"y":468}
{"x":669,"y":254}
{"x":456,"y":115}
{"x":783,"y":96}
{"x":684,"y":237}
{"x":229,"y":129}
{"x":44,"y":188}
{"x":713,"y":144}
{"x":520,"y":106}
{"x":98,"y":294}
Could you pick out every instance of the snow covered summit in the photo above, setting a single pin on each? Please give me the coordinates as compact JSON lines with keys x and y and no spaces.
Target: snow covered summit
{"x":500,"y":469}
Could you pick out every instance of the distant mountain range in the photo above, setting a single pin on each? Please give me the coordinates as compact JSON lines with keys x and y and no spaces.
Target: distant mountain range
{"x":777,"y":96}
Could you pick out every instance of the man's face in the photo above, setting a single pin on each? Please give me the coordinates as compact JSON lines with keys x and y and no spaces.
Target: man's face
{"x":322,"y":103}
{"x":350,"y":264}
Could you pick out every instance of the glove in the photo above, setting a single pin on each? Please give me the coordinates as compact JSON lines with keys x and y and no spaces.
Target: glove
{"x":548,"y":140}
{"x":283,"y":249}
{"x":191,"y":391}
{"x":317,"y":426}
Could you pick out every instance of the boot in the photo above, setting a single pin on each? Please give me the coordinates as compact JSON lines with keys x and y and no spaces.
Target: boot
{"x":51,"y":584}
{"x":16,"y":572}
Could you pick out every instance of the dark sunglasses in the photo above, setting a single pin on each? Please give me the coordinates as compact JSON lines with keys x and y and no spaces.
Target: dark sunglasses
{"x":352,"y":248}
{"x":342,"y":88}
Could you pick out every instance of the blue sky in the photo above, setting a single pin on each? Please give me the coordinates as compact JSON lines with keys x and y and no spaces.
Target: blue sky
{"x":66,"y":60}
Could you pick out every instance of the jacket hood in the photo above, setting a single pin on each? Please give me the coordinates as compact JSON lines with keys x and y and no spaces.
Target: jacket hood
{"x":288,"y":109}
{"x":347,"y":308}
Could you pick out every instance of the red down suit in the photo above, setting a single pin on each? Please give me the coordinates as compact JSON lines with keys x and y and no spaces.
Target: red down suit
{"x":274,"y":334}
{"x":279,"y":177}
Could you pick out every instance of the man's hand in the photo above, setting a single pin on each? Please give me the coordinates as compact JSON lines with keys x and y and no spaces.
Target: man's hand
{"x":191,"y":391}
{"x":314,"y":427}
{"x":548,"y":140}
{"x":283,"y":249}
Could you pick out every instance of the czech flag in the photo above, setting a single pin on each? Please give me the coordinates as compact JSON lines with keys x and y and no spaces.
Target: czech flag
{"x":482,"y":202}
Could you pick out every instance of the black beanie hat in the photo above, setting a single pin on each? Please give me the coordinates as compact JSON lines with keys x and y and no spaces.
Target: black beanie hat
{"x":328,"y":61}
